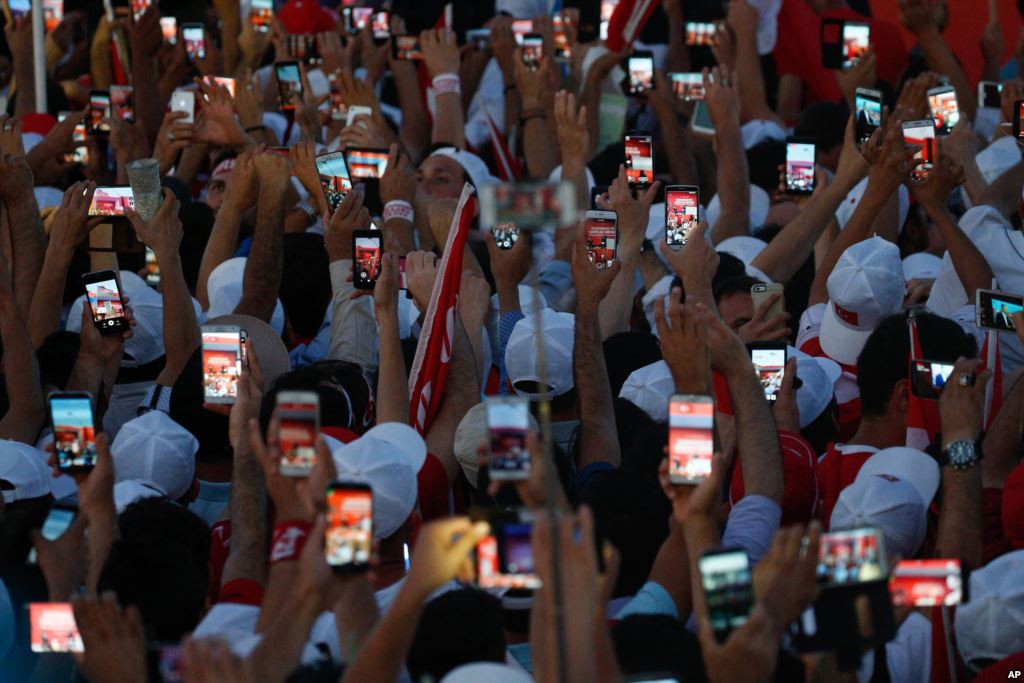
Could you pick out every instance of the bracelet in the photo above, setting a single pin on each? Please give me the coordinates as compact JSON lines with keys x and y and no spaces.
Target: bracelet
{"x":288,"y":539}
{"x":509,"y":88}
{"x":398,"y":208}
{"x":447,"y":83}
{"x":531,"y":113}
{"x":253,"y":129}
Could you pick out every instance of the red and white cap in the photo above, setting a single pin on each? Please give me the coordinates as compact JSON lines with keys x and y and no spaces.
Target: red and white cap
{"x":23,"y":472}
{"x":865,"y":286}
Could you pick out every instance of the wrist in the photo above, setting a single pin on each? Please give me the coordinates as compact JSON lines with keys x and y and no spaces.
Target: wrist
{"x":959,"y":434}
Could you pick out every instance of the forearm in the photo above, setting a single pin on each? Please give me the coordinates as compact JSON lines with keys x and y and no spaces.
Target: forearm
{"x":44,"y":312}
{"x":592,"y":101}
{"x":149,"y":108}
{"x":398,"y":237}
{"x":540,"y":158}
{"x":353,"y":329}
{"x":970,"y":264}
{"x":24,"y":76}
{"x":181,"y":329}
{"x":678,"y":56}
{"x":461,"y":392}
{"x":753,"y":96}
{"x":86,"y":375}
{"x":757,"y":439}
{"x":103,"y":532}
{"x":281,"y":579}
{"x":960,"y":519}
{"x":231,"y":28}
{"x":262,"y":280}
{"x":671,"y":569}
{"x":384,"y":651}
{"x":247,"y":558}
{"x":192,"y":159}
{"x":392,"y":385}
{"x":24,"y":415}
{"x":28,"y":248}
{"x":598,"y":437}
{"x":617,"y":308}
{"x":941,"y":60}
{"x":280,"y":649}
{"x":673,"y":137}
{"x":220,"y":247}
{"x":733,"y":183}
{"x":449,"y":121}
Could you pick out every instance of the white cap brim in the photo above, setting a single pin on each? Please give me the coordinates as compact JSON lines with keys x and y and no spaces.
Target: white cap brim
{"x":839,"y":341}
{"x":909,"y":464}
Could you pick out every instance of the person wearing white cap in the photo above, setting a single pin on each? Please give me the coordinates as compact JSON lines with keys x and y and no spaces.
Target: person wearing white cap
{"x":990,"y":626}
{"x":155,"y":449}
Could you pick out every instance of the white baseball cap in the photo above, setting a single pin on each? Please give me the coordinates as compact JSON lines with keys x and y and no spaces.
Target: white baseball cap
{"x":522,"y":363}
{"x":892,"y":493}
{"x":743,"y":247}
{"x":649,"y":389}
{"x":154,"y":448}
{"x":387,"y":458}
{"x":24,"y":473}
{"x":991,"y":624}
{"x":486,"y":672}
{"x":921,"y":266}
{"x":224,"y":289}
{"x":998,"y":158}
{"x":473,"y":165}
{"x":471,"y":433}
{"x":865,"y":286}
{"x":131,"y":490}
{"x":263,"y":341}
{"x":756,"y":131}
{"x":760,"y":202}
{"x":845,"y":210}
{"x":818,"y":380}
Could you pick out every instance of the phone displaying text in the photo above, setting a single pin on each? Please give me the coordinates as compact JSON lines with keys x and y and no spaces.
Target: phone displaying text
{"x":681,"y":214}
{"x":601,"y":235}
{"x":639,"y":160}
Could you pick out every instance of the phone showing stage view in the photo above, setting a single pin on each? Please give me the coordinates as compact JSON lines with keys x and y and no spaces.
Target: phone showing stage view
{"x":800,"y":153}
{"x":366,"y":254}
{"x":691,"y":421}
{"x":348,"y":540}
{"x":74,"y":431}
{"x":682,"y":204}
{"x":103,"y":295}
{"x":726,"y":578}
{"x":222,"y":362}
{"x":769,"y":359}
{"x":508,"y":422}
{"x":298,"y":422}
{"x":334,"y":177}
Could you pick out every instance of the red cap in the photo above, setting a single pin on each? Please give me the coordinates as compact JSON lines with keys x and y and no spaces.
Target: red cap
{"x":340,"y":433}
{"x":305,"y":16}
{"x":37,"y":123}
{"x":800,"y":496}
{"x":1013,"y":507}
{"x":1000,"y":671}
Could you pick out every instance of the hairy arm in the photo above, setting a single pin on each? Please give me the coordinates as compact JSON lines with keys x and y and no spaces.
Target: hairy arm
{"x":461,"y":392}
{"x":262,"y":279}
{"x":25,"y":411}
{"x":241,"y":193}
{"x":598,"y":437}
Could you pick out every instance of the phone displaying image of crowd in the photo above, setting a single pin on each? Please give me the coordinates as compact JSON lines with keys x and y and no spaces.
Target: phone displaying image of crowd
{"x":726,"y":580}
{"x":104,"y":300}
{"x":771,"y":378}
{"x":74,"y":435}
{"x":601,"y":236}
{"x":297,"y":441}
{"x":221,"y":365}
{"x":349,"y":527}
{"x":367,"y":258}
{"x":53,"y":628}
{"x":505,"y":559}
{"x":850,"y":557}
{"x":681,"y":217}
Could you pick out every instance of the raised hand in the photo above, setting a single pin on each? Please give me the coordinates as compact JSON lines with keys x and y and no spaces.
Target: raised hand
{"x":339,"y":225}
{"x":682,"y":347}
{"x":114,"y":640}
{"x":71,"y":223}
{"x":591,"y":282}
{"x":164,"y":233}
{"x":172,"y":139}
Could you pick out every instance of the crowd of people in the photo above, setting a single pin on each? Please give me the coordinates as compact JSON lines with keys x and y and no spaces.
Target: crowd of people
{"x":855,"y":514}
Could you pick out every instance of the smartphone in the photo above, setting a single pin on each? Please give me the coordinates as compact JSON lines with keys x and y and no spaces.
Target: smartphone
{"x":529,"y":206}
{"x":112,"y":201}
{"x":799,"y":165}
{"x":302,"y":47}
{"x":355,"y":19}
{"x":261,"y":15}
{"x":366,"y":251}
{"x":601,"y":232}
{"x":691,"y":422}
{"x":560,"y":38}
{"x":53,"y":14}
{"x":640,"y":73}
{"x":760,"y":292}
{"x":769,"y":359}
{"x":508,"y":422}
{"x":57,"y":521}
{"x":406,"y":47}
{"x":103,"y":294}
{"x":139,"y":8}
{"x":185,"y":101}
{"x":356,"y":111}
{"x":726,"y":578}
{"x":298,"y":422}
{"x":1018,"y":115}
{"x":99,"y":109}
{"x":222,"y":362}
{"x":944,"y":107}
{"x":639,"y":159}
{"x":195,"y":41}
{"x":701,"y":121}
{"x":682,"y":204}
{"x":993,"y":309}
{"x":80,"y":153}
{"x":700,"y":33}
{"x":868,"y":108}
{"x":289,"y":83}
{"x":928,"y":377}
{"x":348,"y":540}
{"x":122,"y":102}
{"x":687,"y":86}
{"x":74,"y":431}
{"x":520,"y":29}
{"x":920,"y":133}
{"x":533,"y":50}
{"x":851,"y":557}
{"x":926,"y":583}
{"x":989,"y":94}
{"x":504,"y":559}
{"x":366,"y":163}
{"x":223,"y":81}
{"x":334,"y":177}
{"x":856,"y":39}
{"x":595,"y":192}
{"x":380,"y":25}
{"x":53,"y":628}
{"x":17,"y":8}
{"x":169,"y":29}
{"x":152,"y":269}
{"x":505,"y":235}
{"x":479,"y":37}
{"x":170,"y":663}
{"x":338,"y":108}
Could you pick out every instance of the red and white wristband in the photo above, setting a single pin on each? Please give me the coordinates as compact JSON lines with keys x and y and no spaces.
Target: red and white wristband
{"x":398,"y":208}
{"x":288,"y":539}
{"x":447,"y":83}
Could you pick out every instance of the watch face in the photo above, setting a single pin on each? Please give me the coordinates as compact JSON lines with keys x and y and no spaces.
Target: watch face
{"x":962,"y":454}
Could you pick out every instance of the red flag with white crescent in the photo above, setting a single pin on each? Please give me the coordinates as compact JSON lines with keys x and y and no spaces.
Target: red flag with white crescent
{"x":434,"y":351}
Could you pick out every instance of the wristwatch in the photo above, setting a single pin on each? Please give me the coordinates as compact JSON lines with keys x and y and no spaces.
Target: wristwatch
{"x":961,"y":455}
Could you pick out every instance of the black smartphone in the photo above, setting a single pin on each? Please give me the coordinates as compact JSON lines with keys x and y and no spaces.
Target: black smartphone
{"x":868,"y":109}
{"x":989,"y":94}
{"x":799,"y":165}
{"x":261,"y":15}
{"x":1018,"y":110}
{"x":639,"y":73}
{"x":195,"y":41}
{"x":993,"y":309}
{"x":74,"y":430}
{"x":769,"y":359}
{"x":682,"y":204}
{"x":851,"y":557}
{"x":334,"y":177}
{"x":380,"y":26}
{"x":348,"y":540}
{"x":366,"y":254}
{"x":406,"y":47}
{"x":505,"y":235}
{"x":103,"y":294}
{"x":289,"y":83}
{"x":99,"y":109}
{"x":726,"y":578}
{"x":928,"y":377}
{"x":504,"y":559}
{"x":639,"y":159}
{"x":843,"y":43}
{"x":298,"y":422}
{"x":508,"y":422}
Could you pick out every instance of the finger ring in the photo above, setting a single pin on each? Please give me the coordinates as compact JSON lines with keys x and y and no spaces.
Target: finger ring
{"x":170,"y":136}
{"x":966,"y":379}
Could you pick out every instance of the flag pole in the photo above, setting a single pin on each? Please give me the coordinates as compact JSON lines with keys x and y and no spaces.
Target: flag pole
{"x":39,"y":55}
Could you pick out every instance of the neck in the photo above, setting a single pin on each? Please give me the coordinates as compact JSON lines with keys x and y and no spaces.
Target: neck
{"x":880,"y":432}
{"x":389,"y":572}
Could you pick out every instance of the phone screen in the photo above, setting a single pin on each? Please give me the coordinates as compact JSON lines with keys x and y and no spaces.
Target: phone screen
{"x":690,"y":439}
{"x":639,"y":160}
{"x":407,"y":47}
{"x":53,"y":628}
{"x":926,"y":583}
{"x":607,"y":10}
{"x":289,"y":84}
{"x":945,"y":110}
{"x":533,"y":51}
{"x":57,"y":522}
{"x":349,"y":538}
{"x":989,"y":92}
{"x":1018,"y":129}
{"x":700,"y":33}
{"x":366,"y":250}
{"x":799,"y":167}
{"x":995,"y":309}
{"x":222,"y":363}
{"x":334,"y":177}
{"x":505,"y":235}
{"x":560,"y":38}
{"x":856,"y":37}
{"x":122,"y":101}
{"x":770,"y":365}
{"x":601,"y":233}
{"x":99,"y":109}
{"x":508,"y":420}
{"x":74,"y":431}
{"x":170,"y":663}
{"x":505,"y":558}
{"x":79,"y":153}
{"x":687,"y":86}
{"x":223,"y":81}
{"x":520,"y":27}
{"x":298,"y":418}
{"x":681,"y":215}
{"x":367,"y":163}
{"x":869,"y":114}
{"x":847,"y":557}
{"x":169,"y":28}
{"x":261,"y":15}
{"x":303,"y":47}
{"x":641,"y":74}
{"x":539,"y":206}
{"x":105,"y":302}
{"x":53,"y":13}
{"x":195,"y":42}
{"x":139,"y":7}
{"x":922,"y":134}
{"x":727,"y":583}
{"x":479,"y":37}
{"x":111,"y":201}
{"x":927,"y":378}
{"x":702,"y":122}
{"x":381,"y":25}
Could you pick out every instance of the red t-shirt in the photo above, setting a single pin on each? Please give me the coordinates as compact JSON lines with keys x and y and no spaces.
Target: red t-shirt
{"x":434,"y":492}
{"x":836,"y":470}
{"x":802,"y":495}
{"x":798,"y":49}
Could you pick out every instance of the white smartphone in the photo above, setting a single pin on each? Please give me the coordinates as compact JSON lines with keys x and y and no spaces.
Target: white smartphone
{"x":355,"y":111}
{"x":184,"y":100}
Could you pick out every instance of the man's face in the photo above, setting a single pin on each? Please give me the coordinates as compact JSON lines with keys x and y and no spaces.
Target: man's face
{"x":441,"y":177}
{"x":737,"y":309}
{"x":215,"y":192}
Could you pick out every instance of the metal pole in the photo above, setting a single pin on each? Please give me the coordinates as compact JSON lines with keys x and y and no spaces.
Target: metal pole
{"x":39,"y":55}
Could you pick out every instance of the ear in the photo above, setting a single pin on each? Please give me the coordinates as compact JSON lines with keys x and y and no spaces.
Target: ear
{"x":900,"y":397}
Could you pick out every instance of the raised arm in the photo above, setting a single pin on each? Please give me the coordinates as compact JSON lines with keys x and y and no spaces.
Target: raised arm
{"x":673,"y":136}
{"x":28,"y":243}
{"x":262,"y":280}
{"x":146,"y":40}
{"x":461,"y":392}
{"x":743,"y":19}
{"x":722,"y":98}
{"x":25,"y":411}
{"x":921,"y":18}
{"x":541,"y":156}
{"x":392,"y":385}
{"x":441,"y":55}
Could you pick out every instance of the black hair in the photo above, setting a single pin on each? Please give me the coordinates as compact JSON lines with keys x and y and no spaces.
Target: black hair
{"x":645,"y":450}
{"x":305,"y":283}
{"x":160,"y":577}
{"x":737,"y":284}
{"x":56,"y":357}
{"x":728,"y":266}
{"x":459,"y":627}
{"x":825,"y":123}
{"x":198,"y":219}
{"x":823,"y":429}
{"x":630,"y":422}
{"x":186,"y":408}
{"x":657,"y":642}
{"x":626,"y":352}
{"x":321,"y":672}
{"x":17,"y":520}
{"x":332,"y":381}
{"x":763,"y":161}
{"x":159,"y":518}
{"x":884,"y":360}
